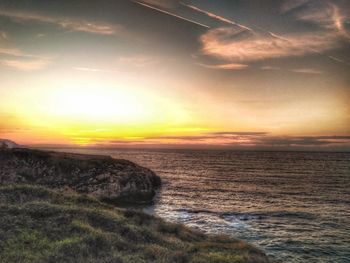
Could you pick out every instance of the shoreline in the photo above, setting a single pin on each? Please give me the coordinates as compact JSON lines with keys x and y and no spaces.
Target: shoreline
{"x":31,"y":201}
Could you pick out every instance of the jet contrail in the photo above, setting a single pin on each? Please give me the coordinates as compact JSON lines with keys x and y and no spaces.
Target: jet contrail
{"x":220,"y":18}
{"x":172,"y":14}
{"x":339,"y":60}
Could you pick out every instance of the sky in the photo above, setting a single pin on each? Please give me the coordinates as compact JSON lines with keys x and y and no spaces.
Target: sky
{"x":240,"y":74}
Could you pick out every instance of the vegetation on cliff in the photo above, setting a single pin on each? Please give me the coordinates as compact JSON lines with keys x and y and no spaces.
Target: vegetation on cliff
{"x":42,"y":225}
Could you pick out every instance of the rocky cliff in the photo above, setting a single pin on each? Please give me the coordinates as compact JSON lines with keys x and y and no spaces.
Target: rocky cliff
{"x":8,"y":144}
{"x":103,"y":177}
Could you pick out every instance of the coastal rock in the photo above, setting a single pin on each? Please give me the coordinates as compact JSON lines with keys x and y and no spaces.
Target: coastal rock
{"x":8,"y":144}
{"x":108,"y":179}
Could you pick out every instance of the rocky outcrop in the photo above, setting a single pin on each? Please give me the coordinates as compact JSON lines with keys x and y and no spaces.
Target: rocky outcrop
{"x":106,"y":178}
{"x":8,"y":144}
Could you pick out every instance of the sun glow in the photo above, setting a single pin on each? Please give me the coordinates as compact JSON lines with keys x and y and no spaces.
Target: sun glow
{"x":99,"y":104}
{"x":85,"y":114}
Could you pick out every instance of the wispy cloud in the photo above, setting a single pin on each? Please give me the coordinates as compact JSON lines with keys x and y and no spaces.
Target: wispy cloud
{"x":245,"y":133}
{"x":270,"y":68}
{"x":230,"y":44}
{"x":94,"y":69}
{"x":137,"y":61}
{"x":20,"y":60}
{"x":307,"y":71}
{"x":327,"y":15}
{"x":290,"y":141}
{"x":3,"y":35}
{"x":311,"y":71}
{"x":66,"y":23}
{"x":11,"y":52}
{"x":290,"y":5}
{"x":230,"y":66}
{"x":25,"y":65}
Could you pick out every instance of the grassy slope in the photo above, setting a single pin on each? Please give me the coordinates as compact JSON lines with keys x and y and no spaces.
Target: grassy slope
{"x":41,"y":225}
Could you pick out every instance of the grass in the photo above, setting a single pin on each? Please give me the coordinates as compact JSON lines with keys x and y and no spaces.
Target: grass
{"x":41,"y":225}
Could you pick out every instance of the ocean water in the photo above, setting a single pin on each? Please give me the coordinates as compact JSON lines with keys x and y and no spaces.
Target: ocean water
{"x":295,"y":206}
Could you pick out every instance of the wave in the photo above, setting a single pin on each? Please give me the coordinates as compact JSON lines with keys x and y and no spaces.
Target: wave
{"x":251,"y":215}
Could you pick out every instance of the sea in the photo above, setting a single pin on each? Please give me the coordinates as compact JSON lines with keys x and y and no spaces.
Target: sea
{"x":295,"y":206}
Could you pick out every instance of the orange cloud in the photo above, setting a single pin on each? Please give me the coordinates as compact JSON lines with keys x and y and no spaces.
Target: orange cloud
{"x":230,"y":66}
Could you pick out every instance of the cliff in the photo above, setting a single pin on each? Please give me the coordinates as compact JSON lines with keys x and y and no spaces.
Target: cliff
{"x":103,"y":177}
{"x":8,"y":144}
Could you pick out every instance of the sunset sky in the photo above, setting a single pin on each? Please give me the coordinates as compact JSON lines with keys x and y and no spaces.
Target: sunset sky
{"x":225,"y":73}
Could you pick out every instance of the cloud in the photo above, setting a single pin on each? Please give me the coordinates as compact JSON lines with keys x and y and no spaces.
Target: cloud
{"x":307,"y":71}
{"x":270,"y":68}
{"x":327,"y":15}
{"x":131,"y":61}
{"x":20,"y":60}
{"x":245,"y":133}
{"x":230,"y":66}
{"x":241,"y":44}
{"x":291,"y":141}
{"x":211,"y":137}
{"x":235,"y":45}
{"x":94,"y":69}
{"x":234,"y":139}
{"x":3,"y":35}
{"x":311,"y":71}
{"x":11,"y":52}
{"x":291,"y":5}
{"x":137,"y":61}
{"x":66,"y":23}
{"x":262,"y":139}
{"x":25,"y":65}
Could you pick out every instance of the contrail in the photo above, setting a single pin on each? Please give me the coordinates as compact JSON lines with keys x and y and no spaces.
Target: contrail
{"x":339,"y":60}
{"x":172,"y":14}
{"x":220,"y":18}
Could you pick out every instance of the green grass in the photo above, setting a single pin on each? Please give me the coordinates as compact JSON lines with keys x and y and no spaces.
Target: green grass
{"x":41,"y":225}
